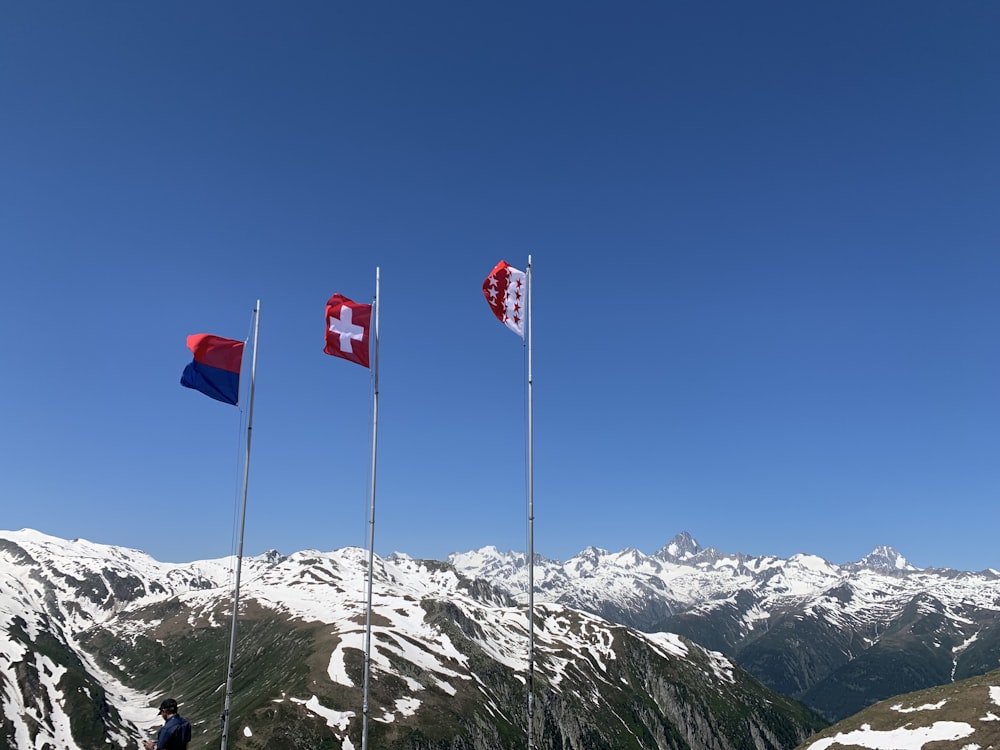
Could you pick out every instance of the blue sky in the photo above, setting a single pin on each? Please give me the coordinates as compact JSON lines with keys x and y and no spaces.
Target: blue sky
{"x":765,"y":253}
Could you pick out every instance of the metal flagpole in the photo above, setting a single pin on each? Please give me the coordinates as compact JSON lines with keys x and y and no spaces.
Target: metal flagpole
{"x":239,"y":555}
{"x":531,"y":537}
{"x":371,"y":532}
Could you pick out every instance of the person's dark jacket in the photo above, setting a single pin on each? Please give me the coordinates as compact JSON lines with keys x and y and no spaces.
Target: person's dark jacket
{"x":172,"y":734}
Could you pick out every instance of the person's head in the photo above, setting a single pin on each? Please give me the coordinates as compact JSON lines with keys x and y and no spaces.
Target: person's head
{"x":168,"y":707}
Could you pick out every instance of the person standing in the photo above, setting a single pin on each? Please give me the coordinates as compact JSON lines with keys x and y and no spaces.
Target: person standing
{"x":175,"y":734}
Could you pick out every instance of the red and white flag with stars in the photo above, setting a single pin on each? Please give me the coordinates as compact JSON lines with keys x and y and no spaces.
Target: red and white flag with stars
{"x":347,"y":325}
{"x":504,"y":289}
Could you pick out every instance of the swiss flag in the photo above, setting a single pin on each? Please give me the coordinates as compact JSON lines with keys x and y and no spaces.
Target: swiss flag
{"x":505,"y":290}
{"x":347,"y":325}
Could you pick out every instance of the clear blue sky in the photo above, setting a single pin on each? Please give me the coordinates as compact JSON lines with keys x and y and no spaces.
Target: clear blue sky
{"x":765,"y":252}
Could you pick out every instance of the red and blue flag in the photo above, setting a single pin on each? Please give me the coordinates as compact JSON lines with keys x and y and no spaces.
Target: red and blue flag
{"x":215,"y":370}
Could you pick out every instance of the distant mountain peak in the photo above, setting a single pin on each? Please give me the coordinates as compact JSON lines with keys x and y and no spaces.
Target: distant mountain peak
{"x":273,"y":556}
{"x":682,"y":547}
{"x":885,"y":559}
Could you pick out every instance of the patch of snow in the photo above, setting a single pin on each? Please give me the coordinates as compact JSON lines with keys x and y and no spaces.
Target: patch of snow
{"x":897,"y":739}
{"x":334,"y":719}
{"x":926,"y":707}
{"x":668,"y":643}
{"x":722,"y":667}
{"x":407,"y":706}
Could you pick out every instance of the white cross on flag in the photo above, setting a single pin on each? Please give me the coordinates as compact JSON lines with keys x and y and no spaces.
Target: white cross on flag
{"x":504,"y":289}
{"x":347,"y":326}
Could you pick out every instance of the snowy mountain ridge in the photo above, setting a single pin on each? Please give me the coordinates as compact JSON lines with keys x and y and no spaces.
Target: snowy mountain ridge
{"x":683,"y":576}
{"x":802,"y":625}
{"x":95,"y":635}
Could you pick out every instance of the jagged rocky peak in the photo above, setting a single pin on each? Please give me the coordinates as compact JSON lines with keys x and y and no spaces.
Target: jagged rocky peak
{"x":488,"y":561}
{"x":885,"y":559}
{"x":273,"y":556}
{"x":629,"y":557}
{"x":681,"y":547}
{"x":586,"y":560}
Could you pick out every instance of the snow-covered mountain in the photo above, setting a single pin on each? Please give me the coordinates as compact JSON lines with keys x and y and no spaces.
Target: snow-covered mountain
{"x":94,"y":636}
{"x":803,"y":626}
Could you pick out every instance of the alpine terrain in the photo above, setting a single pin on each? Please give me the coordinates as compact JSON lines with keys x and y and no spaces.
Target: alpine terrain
{"x":837,"y":637}
{"x":94,"y":636}
{"x":964,"y":715}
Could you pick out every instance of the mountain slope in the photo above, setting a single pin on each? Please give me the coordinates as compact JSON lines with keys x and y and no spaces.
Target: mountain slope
{"x":94,"y":636}
{"x":838,"y":637}
{"x":959,"y":716}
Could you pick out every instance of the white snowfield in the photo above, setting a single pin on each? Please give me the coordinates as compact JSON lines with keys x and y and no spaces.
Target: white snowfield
{"x":323,"y":587}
